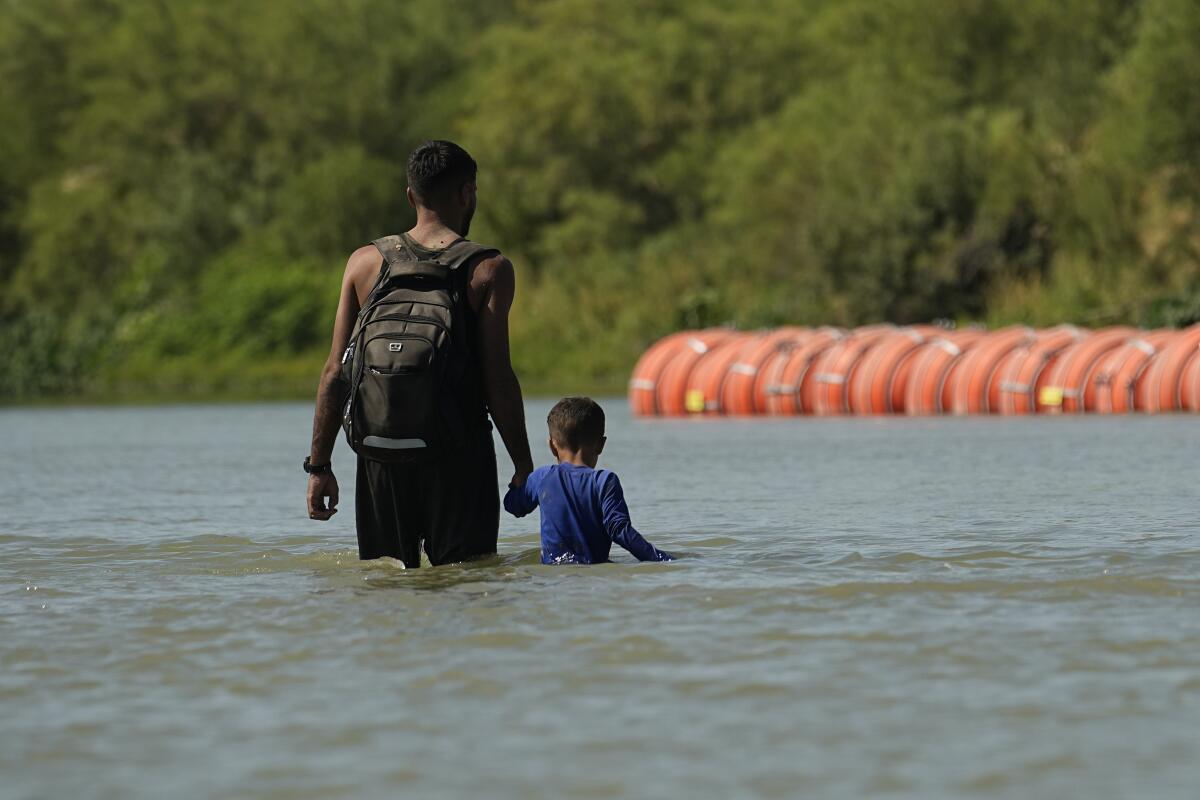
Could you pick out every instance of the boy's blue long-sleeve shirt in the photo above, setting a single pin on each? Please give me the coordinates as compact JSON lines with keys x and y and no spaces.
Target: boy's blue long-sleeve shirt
{"x":583,"y":513}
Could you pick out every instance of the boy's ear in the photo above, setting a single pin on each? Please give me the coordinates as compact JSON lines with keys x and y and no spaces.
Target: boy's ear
{"x":553,"y":448}
{"x":600,"y":447}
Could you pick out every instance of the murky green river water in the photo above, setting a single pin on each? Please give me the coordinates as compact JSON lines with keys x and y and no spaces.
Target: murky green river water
{"x":910,"y":608}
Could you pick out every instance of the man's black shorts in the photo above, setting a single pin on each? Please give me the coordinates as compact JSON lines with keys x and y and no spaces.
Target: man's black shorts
{"x":452,"y":504}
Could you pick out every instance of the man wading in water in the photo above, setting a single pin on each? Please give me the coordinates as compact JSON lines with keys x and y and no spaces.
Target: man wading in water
{"x":430,"y":474}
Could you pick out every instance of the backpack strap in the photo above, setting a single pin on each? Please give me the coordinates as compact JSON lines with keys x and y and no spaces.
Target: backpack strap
{"x":396,"y":251}
{"x":463,"y":251}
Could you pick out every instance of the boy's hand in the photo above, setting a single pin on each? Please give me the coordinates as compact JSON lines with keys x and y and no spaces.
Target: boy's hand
{"x":320,"y":487}
{"x":517,"y":500}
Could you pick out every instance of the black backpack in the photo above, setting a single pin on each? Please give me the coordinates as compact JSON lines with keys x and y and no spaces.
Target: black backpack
{"x":408,"y":359}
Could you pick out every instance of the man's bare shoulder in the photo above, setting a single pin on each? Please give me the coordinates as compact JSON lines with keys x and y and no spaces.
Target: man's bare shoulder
{"x":492,"y":281}
{"x":493,"y":270}
{"x":365,"y":259}
{"x":362,"y":268}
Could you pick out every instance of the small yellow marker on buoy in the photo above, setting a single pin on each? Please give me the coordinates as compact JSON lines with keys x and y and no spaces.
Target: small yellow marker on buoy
{"x":1051,"y":396}
{"x":694,"y":401}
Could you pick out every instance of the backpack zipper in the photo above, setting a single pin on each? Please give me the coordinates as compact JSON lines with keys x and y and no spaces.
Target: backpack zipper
{"x":412,"y":318}
{"x":380,"y":302}
{"x":396,"y":336}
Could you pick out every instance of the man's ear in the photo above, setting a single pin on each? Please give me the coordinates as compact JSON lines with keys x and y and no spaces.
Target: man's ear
{"x":600,"y":447}
{"x":466,"y":194}
{"x":412,"y":197}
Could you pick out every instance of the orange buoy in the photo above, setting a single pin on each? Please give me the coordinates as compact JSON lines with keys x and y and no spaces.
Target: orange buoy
{"x":1159,"y":388}
{"x":881,"y":369}
{"x":1118,"y":372}
{"x":768,"y":384}
{"x":834,"y":367}
{"x":931,"y":363}
{"x":1014,"y":388}
{"x":971,"y":380}
{"x":900,"y":378}
{"x":788,"y":382}
{"x":671,"y":394}
{"x":1065,"y":388}
{"x":740,"y":392}
{"x":946,"y":399}
{"x":643,"y":385}
{"x":1003,"y":379}
{"x":877,"y":385}
{"x":708,"y":376}
{"x":1189,"y":386}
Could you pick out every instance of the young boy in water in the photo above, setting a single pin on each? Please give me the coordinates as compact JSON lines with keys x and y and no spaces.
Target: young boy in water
{"x":583,"y":508}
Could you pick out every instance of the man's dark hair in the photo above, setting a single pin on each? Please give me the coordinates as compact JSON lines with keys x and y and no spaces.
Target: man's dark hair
{"x":575,"y":422}
{"x":438,"y":169}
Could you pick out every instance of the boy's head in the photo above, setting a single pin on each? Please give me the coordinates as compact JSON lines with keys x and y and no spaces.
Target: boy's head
{"x":576,"y":428}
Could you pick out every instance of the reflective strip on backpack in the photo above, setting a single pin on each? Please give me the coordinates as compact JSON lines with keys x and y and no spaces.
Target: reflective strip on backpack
{"x":393,"y":444}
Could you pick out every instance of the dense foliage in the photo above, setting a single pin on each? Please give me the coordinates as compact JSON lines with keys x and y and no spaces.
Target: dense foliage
{"x":182,"y":179}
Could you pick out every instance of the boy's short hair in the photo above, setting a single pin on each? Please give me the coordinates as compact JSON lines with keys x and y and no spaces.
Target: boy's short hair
{"x":438,"y":169}
{"x":576,"y":421}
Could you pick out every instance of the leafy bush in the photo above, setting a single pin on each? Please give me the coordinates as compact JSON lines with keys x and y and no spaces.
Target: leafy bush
{"x":183,"y":181}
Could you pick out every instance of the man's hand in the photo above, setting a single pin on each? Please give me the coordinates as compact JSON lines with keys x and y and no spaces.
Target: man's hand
{"x":519,"y":477}
{"x":319,"y":488}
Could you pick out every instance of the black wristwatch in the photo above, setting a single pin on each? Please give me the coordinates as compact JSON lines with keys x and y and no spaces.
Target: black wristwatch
{"x":316,"y":469}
